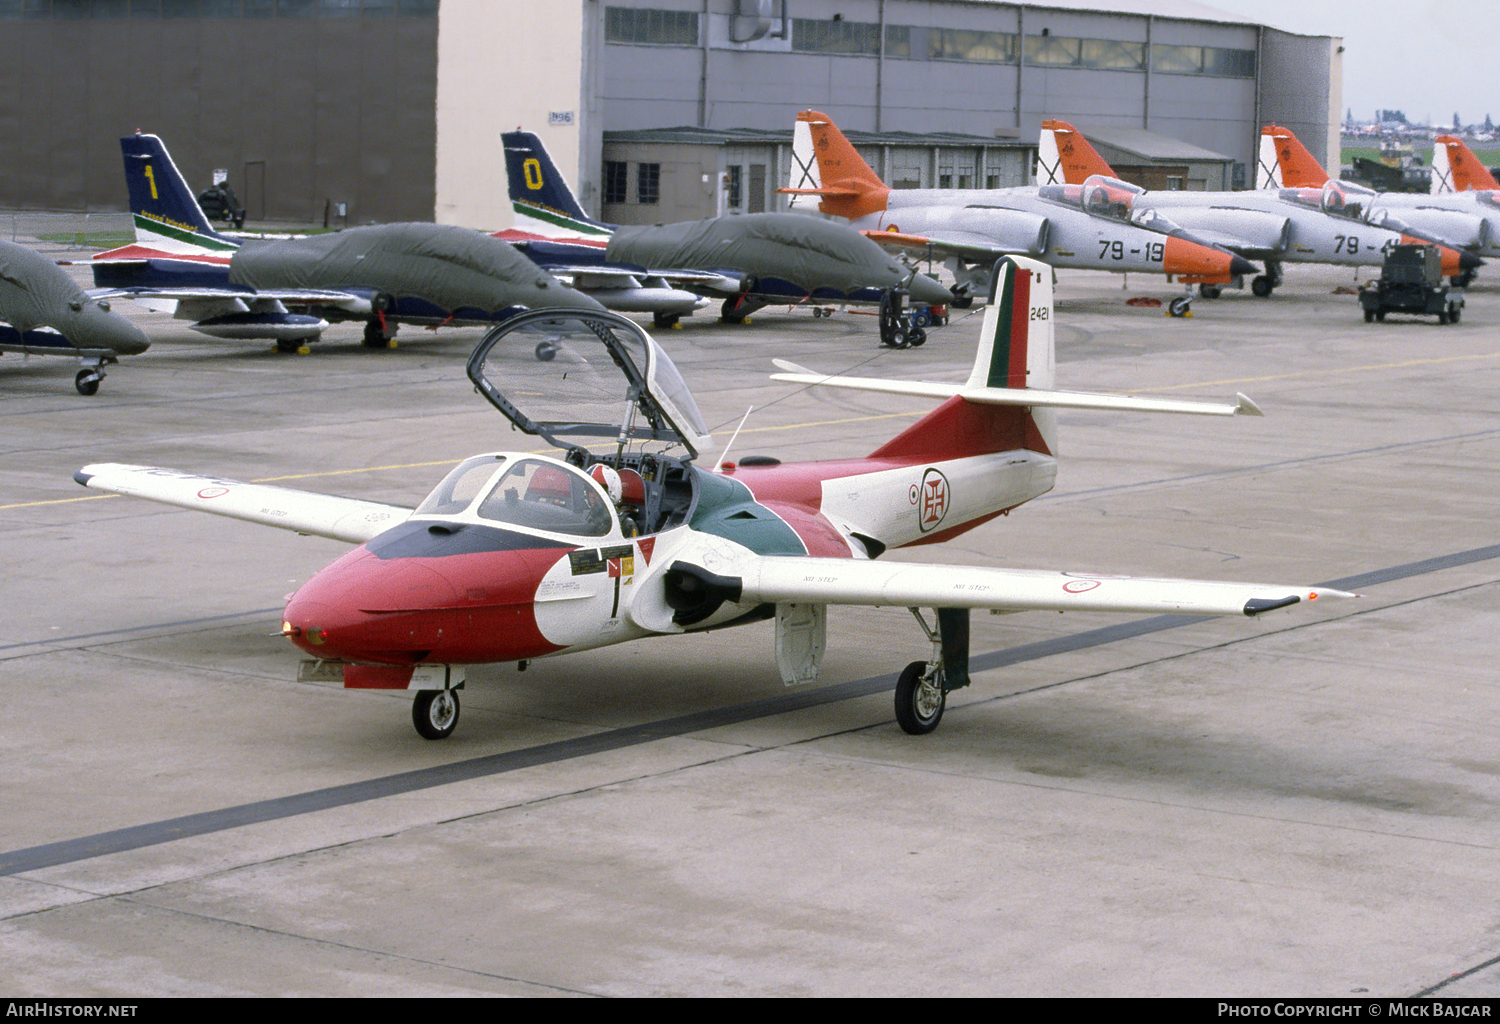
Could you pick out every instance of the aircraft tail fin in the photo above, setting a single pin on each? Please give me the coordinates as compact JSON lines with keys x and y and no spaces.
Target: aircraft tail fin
{"x":826,"y":165}
{"x":1064,"y":156}
{"x":1009,"y":402}
{"x":166,"y":212}
{"x":539,"y":194}
{"x":1285,"y":163}
{"x":1456,"y":169}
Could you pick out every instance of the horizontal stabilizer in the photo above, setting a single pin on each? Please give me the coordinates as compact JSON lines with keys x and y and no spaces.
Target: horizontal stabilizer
{"x":1032,"y":397}
{"x":323,"y":515}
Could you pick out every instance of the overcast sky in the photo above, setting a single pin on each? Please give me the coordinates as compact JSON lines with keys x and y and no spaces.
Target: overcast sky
{"x":1419,"y":56}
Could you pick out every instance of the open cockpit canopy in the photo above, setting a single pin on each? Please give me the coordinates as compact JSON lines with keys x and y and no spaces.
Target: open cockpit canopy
{"x":589,"y":383}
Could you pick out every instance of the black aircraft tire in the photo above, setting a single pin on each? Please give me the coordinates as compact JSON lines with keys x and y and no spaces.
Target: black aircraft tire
{"x":1454,"y":310}
{"x":665,"y":320}
{"x":1262,"y":286}
{"x":546,"y":351}
{"x":729,"y":312}
{"x":1181,"y":305}
{"x":916,"y":713}
{"x":435,"y":713}
{"x":1210,"y":291}
{"x":87,"y":382}
{"x":916,"y":337}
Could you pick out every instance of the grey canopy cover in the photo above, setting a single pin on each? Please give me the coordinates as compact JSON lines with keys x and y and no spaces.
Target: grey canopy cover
{"x":450,"y":267}
{"x":35,"y":292}
{"x":33,"y":289}
{"x":806,"y":251}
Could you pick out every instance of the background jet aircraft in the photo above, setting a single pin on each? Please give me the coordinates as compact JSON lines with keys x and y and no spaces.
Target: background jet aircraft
{"x":46,"y":313}
{"x":1278,"y":227}
{"x":290,"y":290}
{"x":515,"y":555}
{"x":749,"y":260}
{"x":974,"y":227}
{"x":1467,"y":220}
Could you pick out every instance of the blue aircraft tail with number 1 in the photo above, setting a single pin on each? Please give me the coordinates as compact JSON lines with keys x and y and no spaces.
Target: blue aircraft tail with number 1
{"x":167,"y":215}
{"x":542,"y":200}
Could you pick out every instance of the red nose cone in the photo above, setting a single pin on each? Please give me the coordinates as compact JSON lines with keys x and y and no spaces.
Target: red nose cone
{"x":468,"y":608}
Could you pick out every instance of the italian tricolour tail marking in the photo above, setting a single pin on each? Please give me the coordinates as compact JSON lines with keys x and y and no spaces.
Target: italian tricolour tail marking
{"x":539,"y":194}
{"x":166,"y":213}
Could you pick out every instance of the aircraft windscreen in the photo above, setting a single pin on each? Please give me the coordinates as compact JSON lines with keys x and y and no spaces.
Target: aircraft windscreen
{"x":1067,"y":195}
{"x":1346,"y":199}
{"x":1154,"y":220}
{"x":1109,"y":197}
{"x":590,"y":381}
{"x":1312,"y":198}
{"x":461,"y":486}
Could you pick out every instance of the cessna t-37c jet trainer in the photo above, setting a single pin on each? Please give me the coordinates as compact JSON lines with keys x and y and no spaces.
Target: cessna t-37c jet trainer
{"x":517,"y":556}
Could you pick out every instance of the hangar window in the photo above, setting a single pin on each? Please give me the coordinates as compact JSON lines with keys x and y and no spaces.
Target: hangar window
{"x":616,"y":181}
{"x":662,"y":28}
{"x":963,"y":44}
{"x":898,"y":40}
{"x":1064,"y":51}
{"x":648,"y":184}
{"x":1229,"y":63}
{"x":1203,"y":60}
{"x":857,"y":37}
{"x":1112,"y":55}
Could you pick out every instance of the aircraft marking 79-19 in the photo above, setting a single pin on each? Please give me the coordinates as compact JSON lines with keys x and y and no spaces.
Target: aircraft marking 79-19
{"x":517,"y":556}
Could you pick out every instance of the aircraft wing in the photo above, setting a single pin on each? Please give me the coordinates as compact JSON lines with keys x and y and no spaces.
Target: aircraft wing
{"x":323,"y":515}
{"x":909,"y":585}
{"x":297,"y":296}
{"x":972,"y":247}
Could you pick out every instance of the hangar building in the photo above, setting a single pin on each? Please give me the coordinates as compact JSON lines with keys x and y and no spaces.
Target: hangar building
{"x":359,"y":111}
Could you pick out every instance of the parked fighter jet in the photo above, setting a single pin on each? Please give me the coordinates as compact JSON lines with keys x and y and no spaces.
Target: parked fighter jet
{"x":46,"y":313}
{"x":1286,"y":226}
{"x":289,"y":290}
{"x":1462,"y":220}
{"x":749,"y":260}
{"x":1456,"y":169}
{"x":973,"y":227}
{"x":515,"y":556}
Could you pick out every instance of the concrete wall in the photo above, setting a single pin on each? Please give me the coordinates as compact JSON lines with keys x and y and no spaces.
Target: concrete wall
{"x":302,"y":111}
{"x":501,"y":66}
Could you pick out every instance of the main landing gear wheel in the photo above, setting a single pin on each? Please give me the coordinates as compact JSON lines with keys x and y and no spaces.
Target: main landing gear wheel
{"x":1210,"y":291}
{"x":664,"y":321}
{"x":435,"y":713}
{"x":920,"y":700}
{"x":1262,"y":286}
{"x":1181,"y":305}
{"x":87,"y":381}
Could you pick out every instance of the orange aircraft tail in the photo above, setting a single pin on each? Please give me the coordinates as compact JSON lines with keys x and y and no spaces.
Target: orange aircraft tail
{"x":1064,"y":156}
{"x":1285,"y":162}
{"x":1456,"y":169}
{"x":825,"y":164}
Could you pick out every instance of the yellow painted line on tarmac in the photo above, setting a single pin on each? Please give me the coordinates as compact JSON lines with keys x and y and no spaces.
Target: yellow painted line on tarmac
{"x":852,"y":419}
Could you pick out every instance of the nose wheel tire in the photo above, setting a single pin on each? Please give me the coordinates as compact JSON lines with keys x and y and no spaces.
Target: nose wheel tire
{"x":435,"y":713}
{"x":919,"y":700}
{"x":1181,"y":305}
{"x":87,"y":382}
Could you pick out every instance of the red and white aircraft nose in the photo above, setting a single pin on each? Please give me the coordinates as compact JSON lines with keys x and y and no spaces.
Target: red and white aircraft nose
{"x":465,"y":608}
